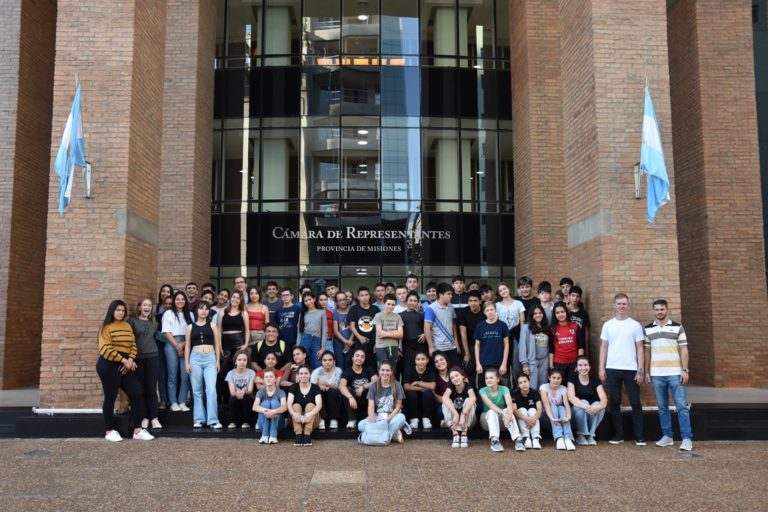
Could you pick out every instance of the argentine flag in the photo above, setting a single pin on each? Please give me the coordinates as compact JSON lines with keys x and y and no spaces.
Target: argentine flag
{"x":71,"y":152}
{"x":652,"y":160}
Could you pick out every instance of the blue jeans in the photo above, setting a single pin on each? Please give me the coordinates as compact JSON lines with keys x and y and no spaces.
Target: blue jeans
{"x":270,"y":427}
{"x":176,"y":363}
{"x":203,"y":379}
{"x":338,"y":352}
{"x":312,"y":345}
{"x":560,"y":429}
{"x":394,"y":425}
{"x":586,"y":424}
{"x":662,"y":386}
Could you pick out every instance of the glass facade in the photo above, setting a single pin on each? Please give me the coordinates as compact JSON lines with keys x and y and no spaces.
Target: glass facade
{"x":362,"y":140}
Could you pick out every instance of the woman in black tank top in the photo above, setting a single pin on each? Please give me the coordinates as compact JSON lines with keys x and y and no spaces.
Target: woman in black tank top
{"x":202,"y":349}
{"x":233,"y":325}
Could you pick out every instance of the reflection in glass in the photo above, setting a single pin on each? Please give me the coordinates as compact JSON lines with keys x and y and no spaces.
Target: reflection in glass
{"x":441,"y":168}
{"x":243,"y":33}
{"x":360,"y":91}
{"x":399,"y":27}
{"x":281,"y":30}
{"x":320,"y":27}
{"x":360,"y":178}
{"x":319,"y":187}
{"x":279,"y":181}
{"x":475,"y":30}
{"x":239,"y":169}
{"x":502,"y":30}
{"x":360,"y":27}
{"x":506,"y":184}
{"x":481,"y":170}
{"x":322,"y":96}
{"x":398,"y":91}
{"x":401,"y":169}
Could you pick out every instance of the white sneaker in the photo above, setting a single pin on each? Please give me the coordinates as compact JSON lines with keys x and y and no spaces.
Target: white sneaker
{"x":536,"y":443}
{"x":322,"y":425}
{"x":443,"y":424}
{"x":456,"y":442}
{"x":183,"y":407}
{"x":272,"y":440}
{"x":145,"y":423}
{"x":351,"y":424}
{"x":245,"y":426}
{"x":156,"y":424}
{"x":113,"y":436}
{"x":519,"y":446}
{"x":560,"y":444}
{"x":527,"y":443}
{"x":175,"y":407}
{"x":569,"y":445}
{"x":232,"y":425}
{"x":496,"y":445}
{"x":464,"y":442}
{"x":197,"y":424}
{"x":334,"y":425}
{"x":216,"y":426}
{"x":143,"y":435}
{"x":414,"y":423}
{"x":686,"y":445}
{"x":581,"y":440}
{"x":399,"y":436}
{"x":591,"y":441}
{"x":264,"y":440}
{"x":426,"y":423}
{"x":665,"y":441}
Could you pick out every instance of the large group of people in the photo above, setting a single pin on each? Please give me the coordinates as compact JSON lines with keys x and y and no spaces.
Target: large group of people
{"x":454,"y":356}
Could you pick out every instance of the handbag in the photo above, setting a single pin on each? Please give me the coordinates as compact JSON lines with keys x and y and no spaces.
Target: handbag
{"x":375,"y":434}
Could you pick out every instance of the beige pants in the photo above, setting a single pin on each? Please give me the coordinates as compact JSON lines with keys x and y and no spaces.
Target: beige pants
{"x":471,"y":418}
{"x":305,"y":428}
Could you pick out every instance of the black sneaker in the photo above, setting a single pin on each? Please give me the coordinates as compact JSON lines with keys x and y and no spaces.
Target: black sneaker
{"x":616,"y":440}
{"x":307,"y":441}
{"x":299,"y":440}
{"x":640,"y":442}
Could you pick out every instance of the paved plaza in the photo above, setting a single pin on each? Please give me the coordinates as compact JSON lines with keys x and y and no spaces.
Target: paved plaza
{"x":210,"y":474}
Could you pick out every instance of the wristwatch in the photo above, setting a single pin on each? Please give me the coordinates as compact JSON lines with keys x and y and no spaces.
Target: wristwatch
{"x":685,"y":370}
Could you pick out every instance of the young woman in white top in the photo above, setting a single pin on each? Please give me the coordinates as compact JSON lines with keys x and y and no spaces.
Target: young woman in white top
{"x":328,"y":377}
{"x":512,"y":312}
{"x":554,"y":397}
{"x":175,"y":322}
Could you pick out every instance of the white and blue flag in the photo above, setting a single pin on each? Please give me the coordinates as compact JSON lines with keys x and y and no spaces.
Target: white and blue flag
{"x":652,"y":160}
{"x":71,"y":152}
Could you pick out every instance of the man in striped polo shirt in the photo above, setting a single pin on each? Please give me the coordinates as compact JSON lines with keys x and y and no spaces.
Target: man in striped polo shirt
{"x":666,"y":357}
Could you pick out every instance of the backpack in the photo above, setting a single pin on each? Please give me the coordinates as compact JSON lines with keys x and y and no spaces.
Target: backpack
{"x":281,"y":344}
{"x":375,"y":434}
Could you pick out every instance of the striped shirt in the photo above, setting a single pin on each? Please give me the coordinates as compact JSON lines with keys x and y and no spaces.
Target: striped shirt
{"x":116,"y":341}
{"x":665,"y":342}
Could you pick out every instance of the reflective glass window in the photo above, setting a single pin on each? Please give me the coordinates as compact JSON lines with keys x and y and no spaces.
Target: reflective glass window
{"x":319,"y":186}
{"x":321,"y":27}
{"x":398,"y":86}
{"x":401,"y":169}
{"x":243,"y":33}
{"x":442,"y":169}
{"x":281,"y":30}
{"x":475,"y":21}
{"x":360,"y":91}
{"x":361,"y":169}
{"x":360,"y":27}
{"x":280,"y":161}
{"x":399,"y":27}
{"x":322,"y":96}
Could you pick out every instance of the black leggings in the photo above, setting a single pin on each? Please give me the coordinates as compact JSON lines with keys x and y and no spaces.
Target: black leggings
{"x":240,"y":410}
{"x":112,"y":381}
{"x":419,"y":404}
{"x":147,"y":370}
{"x":331,"y":404}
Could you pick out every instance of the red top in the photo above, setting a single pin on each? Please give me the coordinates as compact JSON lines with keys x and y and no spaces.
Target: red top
{"x":565,"y":343}
{"x":256,"y":320}
{"x":329,"y":317}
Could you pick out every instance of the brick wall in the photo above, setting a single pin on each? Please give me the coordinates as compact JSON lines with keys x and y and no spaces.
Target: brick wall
{"x":607,"y":51}
{"x":104,"y":247}
{"x":185,"y":239}
{"x":718,"y":182}
{"x":27,"y":29}
{"x":541,"y":242}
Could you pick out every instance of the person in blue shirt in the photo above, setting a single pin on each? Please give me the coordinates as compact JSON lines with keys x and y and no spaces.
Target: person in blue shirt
{"x":287,"y":318}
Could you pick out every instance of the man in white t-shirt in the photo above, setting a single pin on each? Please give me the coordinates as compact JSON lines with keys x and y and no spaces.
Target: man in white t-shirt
{"x":621,"y":363}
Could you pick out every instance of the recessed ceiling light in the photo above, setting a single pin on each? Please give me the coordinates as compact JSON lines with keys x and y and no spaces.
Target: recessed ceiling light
{"x":362,"y":132}
{"x":363,"y":17}
{"x":362,"y":142}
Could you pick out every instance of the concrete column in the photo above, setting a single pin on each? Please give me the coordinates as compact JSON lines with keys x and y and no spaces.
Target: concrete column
{"x":720,"y":232}
{"x":27,"y":36}
{"x":185,"y":212}
{"x":608,"y":49}
{"x":105,"y":247}
{"x":541,"y":241}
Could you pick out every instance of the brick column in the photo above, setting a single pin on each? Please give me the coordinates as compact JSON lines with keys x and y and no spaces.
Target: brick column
{"x":718,"y":182}
{"x":27,"y":31}
{"x":541,"y":249}
{"x":104,"y":247}
{"x":608,"y":50}
{"x":187,"y":142}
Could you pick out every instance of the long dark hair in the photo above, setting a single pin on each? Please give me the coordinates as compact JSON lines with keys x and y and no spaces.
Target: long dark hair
{"x":160,"y":292}
{"x":533,"y":327}
{"x":305,"y":309}
{"x":185,"y":309}
{"x":110,"y":316}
